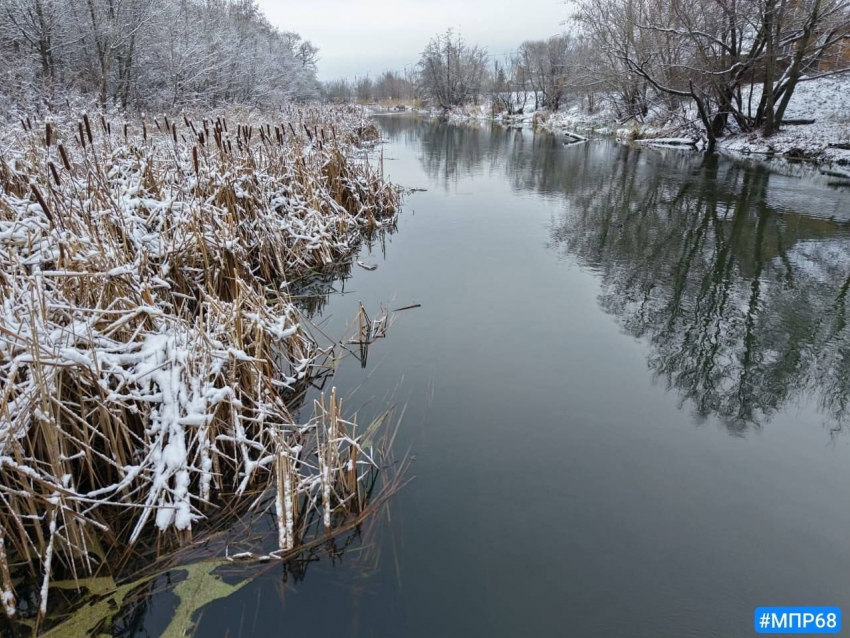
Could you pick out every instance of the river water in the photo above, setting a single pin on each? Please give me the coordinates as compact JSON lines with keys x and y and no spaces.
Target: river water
{"x":625,"y":392}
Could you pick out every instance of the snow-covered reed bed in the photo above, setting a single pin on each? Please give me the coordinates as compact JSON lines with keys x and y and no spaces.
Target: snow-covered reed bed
{"x":149,"y":349}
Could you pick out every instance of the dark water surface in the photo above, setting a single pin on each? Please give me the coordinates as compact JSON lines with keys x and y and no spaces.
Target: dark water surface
{"x":625,"y":391}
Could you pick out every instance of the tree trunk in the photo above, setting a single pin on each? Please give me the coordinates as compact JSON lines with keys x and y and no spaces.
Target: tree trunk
{"x":769,"y":67}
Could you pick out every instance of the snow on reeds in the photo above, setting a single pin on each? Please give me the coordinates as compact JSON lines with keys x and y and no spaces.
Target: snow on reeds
{"x":149,"y":349}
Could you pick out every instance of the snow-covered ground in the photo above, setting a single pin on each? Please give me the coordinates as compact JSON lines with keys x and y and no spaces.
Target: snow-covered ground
{"x":826,"y":100}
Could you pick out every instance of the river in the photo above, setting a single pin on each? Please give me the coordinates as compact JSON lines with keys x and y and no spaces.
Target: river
{"x":625,"y":391}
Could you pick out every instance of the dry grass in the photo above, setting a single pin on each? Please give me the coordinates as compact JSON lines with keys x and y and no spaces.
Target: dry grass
{"x":149,"y":348}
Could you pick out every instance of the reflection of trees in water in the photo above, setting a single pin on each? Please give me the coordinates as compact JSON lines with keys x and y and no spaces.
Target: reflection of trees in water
{"x":449,"y":151}
{"x":744,"y":305}
{"x":744,"y":308}
{"x":312,"y":291}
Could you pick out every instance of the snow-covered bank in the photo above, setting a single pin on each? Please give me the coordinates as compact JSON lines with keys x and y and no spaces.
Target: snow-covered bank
{"x":827,"y":139}
{"x":824,"y":100}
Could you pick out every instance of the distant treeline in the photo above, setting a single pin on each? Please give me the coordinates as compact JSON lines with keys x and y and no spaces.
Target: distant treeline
{"x":719,"y":63}
{"x":390,"y":85}
{"x":148,"y":54}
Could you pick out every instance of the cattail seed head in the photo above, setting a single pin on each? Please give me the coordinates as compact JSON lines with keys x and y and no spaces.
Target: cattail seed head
{"x":41,"y":202}
{"x":55,"y":173}
{"x":64,"y":155}
{"x":88,"y":128}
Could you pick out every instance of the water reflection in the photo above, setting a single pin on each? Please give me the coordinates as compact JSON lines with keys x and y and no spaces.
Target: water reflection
{"x":736,"y":274}
{"x":744,"y":305}
{"x":312,"y":291}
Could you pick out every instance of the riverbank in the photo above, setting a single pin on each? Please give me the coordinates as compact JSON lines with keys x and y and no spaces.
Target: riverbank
{"x":825,"y":140}
{"x":152,"y":350}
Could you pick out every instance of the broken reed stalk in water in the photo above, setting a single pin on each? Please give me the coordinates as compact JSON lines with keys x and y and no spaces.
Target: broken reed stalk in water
{"x":149,"y":350}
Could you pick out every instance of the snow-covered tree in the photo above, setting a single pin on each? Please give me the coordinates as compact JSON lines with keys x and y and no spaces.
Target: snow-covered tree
{"x":150,"y":53}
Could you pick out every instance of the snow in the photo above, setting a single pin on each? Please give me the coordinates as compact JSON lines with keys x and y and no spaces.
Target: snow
{"x":145,"y":304}
{"x":827,"y":101}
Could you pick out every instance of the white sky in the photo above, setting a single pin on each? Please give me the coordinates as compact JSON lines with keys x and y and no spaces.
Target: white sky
{"x":357,"y":37}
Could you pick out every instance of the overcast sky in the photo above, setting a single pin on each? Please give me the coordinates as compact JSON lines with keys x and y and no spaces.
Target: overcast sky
{"x":357,"y":37}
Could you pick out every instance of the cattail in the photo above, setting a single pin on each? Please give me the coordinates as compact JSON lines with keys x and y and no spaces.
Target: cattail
{"x":144,"y":131}
{"x":104,"y":125}
{"x":88,"y":128}
{"x":174,"y":132}
{"x":23,"y":124}
{"x":48,"y":134}
{"x":126,"y":129}
{"x":195,"y":159}
{"x":156,"y":122}
{"x":201,"y":139}
{"x":82,"y":135}
{"x":41,"y":202}
{"x":186,"y":121}
{"x":29,"y":124}
{"x":55,"y":173}
{"x":167,"y":123}
{"x":64,"y":156}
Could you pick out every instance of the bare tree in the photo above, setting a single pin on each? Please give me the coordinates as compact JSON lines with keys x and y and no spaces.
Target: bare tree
{"x":545,"y":64}
{"x":712,"y":52}
{"x":452,"y":72}
{"x":363,"y":88}
{"x":510,"y":85}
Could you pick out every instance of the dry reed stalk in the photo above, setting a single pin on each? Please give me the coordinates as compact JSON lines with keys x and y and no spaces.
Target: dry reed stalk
{"x":149,"y":353}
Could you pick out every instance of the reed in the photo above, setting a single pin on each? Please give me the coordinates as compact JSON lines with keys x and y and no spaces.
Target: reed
{"x":150,"y":351}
